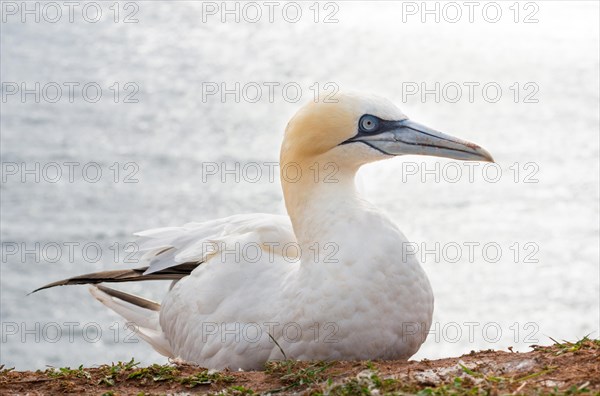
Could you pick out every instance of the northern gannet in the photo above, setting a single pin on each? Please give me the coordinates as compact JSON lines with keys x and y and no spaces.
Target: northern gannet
{"x":350,"y":294}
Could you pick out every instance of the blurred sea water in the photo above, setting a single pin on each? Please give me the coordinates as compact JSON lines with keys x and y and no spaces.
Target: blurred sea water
{"x":171,"y":56}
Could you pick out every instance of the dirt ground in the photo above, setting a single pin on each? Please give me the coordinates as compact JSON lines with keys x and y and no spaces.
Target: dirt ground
{"x":560,"y":369}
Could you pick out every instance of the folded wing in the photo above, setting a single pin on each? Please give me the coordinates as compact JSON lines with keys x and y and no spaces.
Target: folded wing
{"x":171,"y":253}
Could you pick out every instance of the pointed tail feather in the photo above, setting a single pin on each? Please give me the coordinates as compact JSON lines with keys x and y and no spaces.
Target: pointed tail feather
{"x":131,"y":298}
{"x":129,"y":275}
{"x":143,"y":313}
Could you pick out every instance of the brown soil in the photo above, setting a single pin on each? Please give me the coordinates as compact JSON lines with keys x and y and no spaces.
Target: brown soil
{"x":561,"y":369}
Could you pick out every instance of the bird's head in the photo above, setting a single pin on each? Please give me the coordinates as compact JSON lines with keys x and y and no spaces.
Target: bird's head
{"x":352,"y":130}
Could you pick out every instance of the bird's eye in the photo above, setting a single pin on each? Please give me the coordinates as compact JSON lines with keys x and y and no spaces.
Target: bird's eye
{"x":368,"y":123}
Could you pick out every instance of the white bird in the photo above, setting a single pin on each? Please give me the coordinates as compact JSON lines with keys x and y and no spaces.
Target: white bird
{"x":330,"y":281}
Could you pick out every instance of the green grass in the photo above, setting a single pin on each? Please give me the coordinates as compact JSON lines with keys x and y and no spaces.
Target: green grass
{"x":206,"y":378}
{"x":238,"y":391}
{"x":316,"y":378}
{"x":155,"y":373}
{"x":471,"y":381}
{"x":167,"y":373}
{"x":567,"y":346}
{"x":365,"y":383}
{"x":112,"y":372}
{"x":293,"y":375}
{"x":67,"y":372}
{"x":4,"y":371}
{"x":110,"y":375}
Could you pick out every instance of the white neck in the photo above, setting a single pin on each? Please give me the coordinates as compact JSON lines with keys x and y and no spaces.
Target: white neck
{"x":331,"y":221}
{"x":314,"y":207}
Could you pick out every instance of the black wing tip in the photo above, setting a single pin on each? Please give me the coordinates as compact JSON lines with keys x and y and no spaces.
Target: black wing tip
{"x":77,"y":280}
{"x":48,"y":286}
{"x":91,"y":278}
{"x":129,"y":275}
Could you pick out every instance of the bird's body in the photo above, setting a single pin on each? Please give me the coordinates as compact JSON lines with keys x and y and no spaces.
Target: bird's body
{"x":330,"y":281}
{"x":329,"y":303}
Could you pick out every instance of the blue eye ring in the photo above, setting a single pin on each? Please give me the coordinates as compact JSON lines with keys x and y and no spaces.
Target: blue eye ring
{"x":368,"y":123}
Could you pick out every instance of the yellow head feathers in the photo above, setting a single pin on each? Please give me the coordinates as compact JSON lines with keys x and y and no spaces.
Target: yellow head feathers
{"x":320,"y":126}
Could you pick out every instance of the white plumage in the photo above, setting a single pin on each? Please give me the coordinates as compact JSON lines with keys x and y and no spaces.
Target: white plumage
{"x":331,"y":281}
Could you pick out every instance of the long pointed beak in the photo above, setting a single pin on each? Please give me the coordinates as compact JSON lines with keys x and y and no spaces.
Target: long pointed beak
{"x":408,"y":137}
